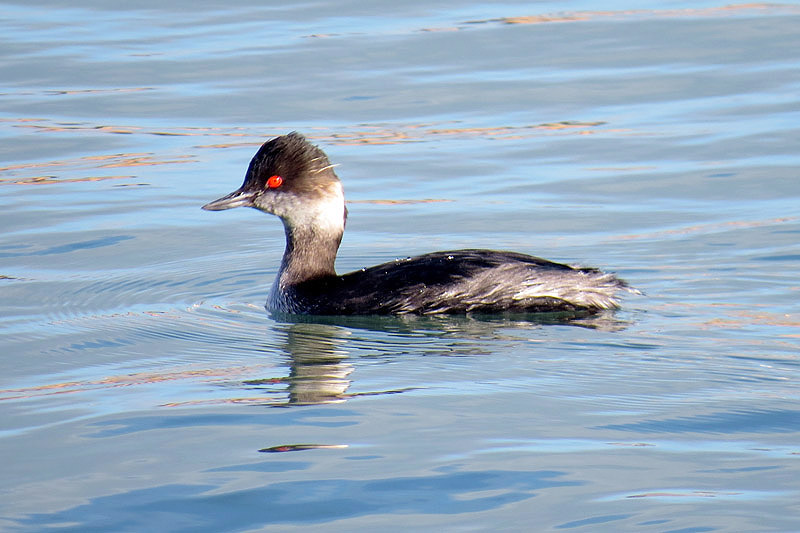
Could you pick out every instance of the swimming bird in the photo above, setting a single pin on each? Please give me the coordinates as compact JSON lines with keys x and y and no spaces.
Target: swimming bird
{"x":293,"y":179}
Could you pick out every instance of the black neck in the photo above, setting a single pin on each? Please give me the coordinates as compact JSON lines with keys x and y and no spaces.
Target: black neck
{"x":308,"y":255}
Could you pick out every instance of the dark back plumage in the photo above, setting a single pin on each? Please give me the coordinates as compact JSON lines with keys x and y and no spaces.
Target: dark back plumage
{"x":460,"y":281}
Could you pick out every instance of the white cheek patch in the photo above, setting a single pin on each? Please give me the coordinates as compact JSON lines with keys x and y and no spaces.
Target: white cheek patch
{"x":323,"y":213}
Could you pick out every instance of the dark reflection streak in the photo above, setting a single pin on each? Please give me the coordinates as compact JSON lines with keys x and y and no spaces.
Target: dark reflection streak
{"x":301,"y":447}
{"x":71,"y":247}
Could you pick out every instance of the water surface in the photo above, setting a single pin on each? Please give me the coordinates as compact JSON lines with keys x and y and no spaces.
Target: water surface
{"x":146,"y":388}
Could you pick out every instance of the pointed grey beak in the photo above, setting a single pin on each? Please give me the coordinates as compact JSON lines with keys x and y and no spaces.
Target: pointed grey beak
{"x":237,"y":198}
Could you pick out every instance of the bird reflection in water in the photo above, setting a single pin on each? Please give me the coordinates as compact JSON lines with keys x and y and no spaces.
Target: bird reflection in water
{"x":318,"y":365}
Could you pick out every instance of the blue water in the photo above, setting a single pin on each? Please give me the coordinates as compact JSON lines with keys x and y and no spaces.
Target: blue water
{"x":144,"y":387}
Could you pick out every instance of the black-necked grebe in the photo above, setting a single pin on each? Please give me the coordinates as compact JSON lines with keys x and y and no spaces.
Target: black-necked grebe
{"x":293,"y":179}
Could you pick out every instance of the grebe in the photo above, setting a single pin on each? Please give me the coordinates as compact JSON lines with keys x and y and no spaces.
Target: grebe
{"x":293,"y":179}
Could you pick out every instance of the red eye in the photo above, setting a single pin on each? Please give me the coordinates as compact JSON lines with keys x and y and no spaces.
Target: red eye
{"x":274,"y":182}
